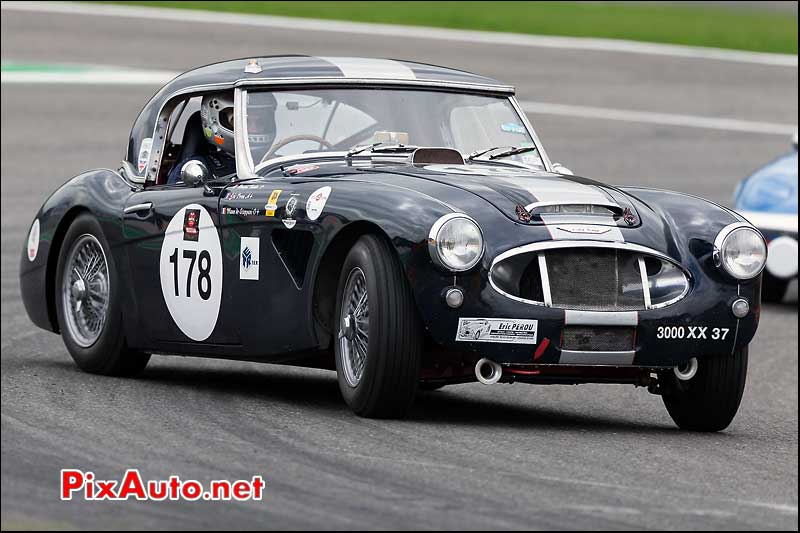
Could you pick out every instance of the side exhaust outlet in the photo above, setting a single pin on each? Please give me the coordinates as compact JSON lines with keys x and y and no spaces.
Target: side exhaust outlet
{"x":687,"y":371}
{"x":488,"y":372}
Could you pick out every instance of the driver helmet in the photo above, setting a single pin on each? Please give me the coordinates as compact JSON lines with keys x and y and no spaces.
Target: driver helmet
{"x":261,"y":128}
{"x":216,"y":114}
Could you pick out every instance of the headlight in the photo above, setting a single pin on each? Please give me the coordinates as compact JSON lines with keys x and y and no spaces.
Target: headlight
{"x":455,"y":242}
{"x":740,"y":250}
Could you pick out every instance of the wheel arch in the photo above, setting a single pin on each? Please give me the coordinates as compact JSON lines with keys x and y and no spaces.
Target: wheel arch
{"x":52,"y":260}
{"x":326,"y":279}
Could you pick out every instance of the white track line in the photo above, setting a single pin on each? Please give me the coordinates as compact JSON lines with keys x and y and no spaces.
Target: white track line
{"x":123,"y":76}
{"x":407,"y":32}
{"x":664,"y":119}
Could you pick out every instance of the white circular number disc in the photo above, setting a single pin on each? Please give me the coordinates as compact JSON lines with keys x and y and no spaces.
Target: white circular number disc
{"x":185,"y":242}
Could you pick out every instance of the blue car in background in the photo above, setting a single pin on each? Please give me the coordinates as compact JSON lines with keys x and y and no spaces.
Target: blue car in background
{"x":768,"y":199}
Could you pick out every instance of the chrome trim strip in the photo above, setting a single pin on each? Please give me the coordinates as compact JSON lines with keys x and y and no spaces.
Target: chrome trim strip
{"x":528,"y":126}
{"x":601,"y":318}
{"x":575,"y":357}
{"x":244,"y":159}
{"x":719,"y":242}
{"x":138,"y":207}
{"x":502,"y":89}
{"x":645,"y":284}
{"x":534,"y":205}
{"x":545,"y":276}
{"x":434,"y":233}
{"x":545,"y":245}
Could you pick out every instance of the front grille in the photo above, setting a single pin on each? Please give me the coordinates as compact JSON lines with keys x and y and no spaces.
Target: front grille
{"x":603,"y":280}
{"x":590,"y":278}
{"x":598,"y":339}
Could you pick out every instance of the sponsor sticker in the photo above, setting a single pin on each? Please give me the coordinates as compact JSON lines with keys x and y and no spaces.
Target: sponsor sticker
{"x":513,"y":127}
{"x":316,"y":202}
{"x":144,"y":153}
{"x":237,"y":195}
{"x":272,"y":203}
{"x":33,"y":241}
{"x":191,"y":225}
{"x":241,"y":211}
{"x":291,"y":206}
{"x":503,"y":330}
{"x":249,"y":258}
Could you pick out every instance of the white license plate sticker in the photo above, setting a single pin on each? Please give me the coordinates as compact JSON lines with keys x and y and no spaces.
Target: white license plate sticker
{"x":507,"y":330}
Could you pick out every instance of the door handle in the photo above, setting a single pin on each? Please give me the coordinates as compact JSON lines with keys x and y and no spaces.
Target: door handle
{"x":140,"y":209}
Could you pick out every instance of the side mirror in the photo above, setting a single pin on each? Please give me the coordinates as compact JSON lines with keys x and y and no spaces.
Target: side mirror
{"x":561,"y":169}
{"x":194,"y":173}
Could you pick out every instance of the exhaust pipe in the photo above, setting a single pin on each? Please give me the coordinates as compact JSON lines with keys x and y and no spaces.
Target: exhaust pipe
{"x":687,"y":371}
{"x":488,"y":372}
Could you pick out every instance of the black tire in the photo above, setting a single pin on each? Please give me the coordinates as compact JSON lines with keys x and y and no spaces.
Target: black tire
{"x":390,"y":375}
{"x":773,"y":289}
{"x":108,"y":354}
{"x":708,"y":401}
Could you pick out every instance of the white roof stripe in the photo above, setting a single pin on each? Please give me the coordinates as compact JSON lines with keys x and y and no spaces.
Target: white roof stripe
{"x":365,"y":68}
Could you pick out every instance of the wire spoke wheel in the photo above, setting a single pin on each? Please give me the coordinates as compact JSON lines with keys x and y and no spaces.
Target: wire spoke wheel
{"x":86,"y":290}
{"x":354,"y":327}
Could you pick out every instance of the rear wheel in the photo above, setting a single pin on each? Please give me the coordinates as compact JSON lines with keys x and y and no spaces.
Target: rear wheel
{"x":87,"y":303}
{"x":379,"y":337}
{"x":709,"y":400}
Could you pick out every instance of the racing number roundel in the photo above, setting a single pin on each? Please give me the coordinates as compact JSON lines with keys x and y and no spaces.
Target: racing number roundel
{"x":191,"y":271}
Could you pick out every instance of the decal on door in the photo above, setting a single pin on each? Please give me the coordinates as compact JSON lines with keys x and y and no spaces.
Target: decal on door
{"x":191,"y":271}
{"x":316,"y":202}
{"x":248,"y":258}
{"x":33,"y":241}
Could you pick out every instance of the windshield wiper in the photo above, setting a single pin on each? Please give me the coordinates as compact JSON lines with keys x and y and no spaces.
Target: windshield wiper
{"x":381,"y":147}
{"x":510,"y":150}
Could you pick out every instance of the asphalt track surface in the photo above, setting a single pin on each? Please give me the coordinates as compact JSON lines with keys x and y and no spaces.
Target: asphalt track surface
{"x":469,"y":456}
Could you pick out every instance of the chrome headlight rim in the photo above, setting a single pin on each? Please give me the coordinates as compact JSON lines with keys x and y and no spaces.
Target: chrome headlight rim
{"x":719,"y":244}
{"x":433,"y":241}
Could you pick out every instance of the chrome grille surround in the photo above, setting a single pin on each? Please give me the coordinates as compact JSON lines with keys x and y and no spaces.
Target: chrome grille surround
{"x":576,"y":282}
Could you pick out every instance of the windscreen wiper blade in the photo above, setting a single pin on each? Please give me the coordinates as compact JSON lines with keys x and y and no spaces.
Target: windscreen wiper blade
{"x":479,"y":153}
{"x":381,"y":147}
{"x":513,"y":151}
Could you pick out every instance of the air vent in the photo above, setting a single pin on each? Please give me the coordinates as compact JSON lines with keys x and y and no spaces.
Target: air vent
{"x":294,"y":248}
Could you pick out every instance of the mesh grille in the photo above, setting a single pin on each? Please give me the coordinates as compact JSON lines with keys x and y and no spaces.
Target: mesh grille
{"x":595,"y":279}
{"x":598,"y":339}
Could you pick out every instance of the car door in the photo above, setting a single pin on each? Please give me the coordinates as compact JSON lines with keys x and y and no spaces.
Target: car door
{"x":176,"y":262}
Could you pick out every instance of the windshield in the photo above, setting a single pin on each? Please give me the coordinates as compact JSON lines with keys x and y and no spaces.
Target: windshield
{"x":300,"y":121}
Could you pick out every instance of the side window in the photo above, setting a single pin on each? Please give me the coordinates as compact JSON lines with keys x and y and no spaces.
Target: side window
{"x":178,"y":136}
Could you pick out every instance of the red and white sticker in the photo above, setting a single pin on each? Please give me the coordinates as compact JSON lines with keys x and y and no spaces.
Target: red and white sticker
{"x":33,"y":241}
{"x":316,"y":202}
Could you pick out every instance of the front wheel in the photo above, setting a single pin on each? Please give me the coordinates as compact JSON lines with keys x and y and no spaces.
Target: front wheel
{"x":709,"y":400}
{"x":379,"y":337}
{"x":88,"y":303}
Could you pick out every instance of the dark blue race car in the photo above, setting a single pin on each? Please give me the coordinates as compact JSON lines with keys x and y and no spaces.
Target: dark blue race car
{"x":768,"y":199}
